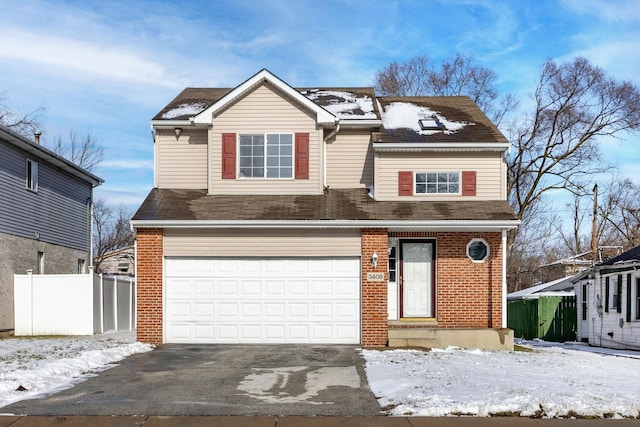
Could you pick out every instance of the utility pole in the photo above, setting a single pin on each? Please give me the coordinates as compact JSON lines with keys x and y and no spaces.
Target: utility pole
{"x":594,"y":231}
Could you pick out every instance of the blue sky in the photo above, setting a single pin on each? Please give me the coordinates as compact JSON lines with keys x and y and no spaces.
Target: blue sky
{"x":107,"y":67}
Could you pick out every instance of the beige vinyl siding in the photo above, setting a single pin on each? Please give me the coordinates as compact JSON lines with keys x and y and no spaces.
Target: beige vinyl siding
{"x":181,"y":162}
{"x":265,"y":111}
{"x":488,"y":166}
{"x":350,"y":160}
{"x":261,"y":242}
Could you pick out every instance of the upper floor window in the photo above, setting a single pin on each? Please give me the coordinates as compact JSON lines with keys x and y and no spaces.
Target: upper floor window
{"x":438,"y":183}
{"x":32,"y":175}
{"x":268,"y":155}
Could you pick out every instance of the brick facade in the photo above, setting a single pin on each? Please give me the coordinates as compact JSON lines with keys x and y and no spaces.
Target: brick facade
{"x":149,"y":285}
{"x":374,"y":294}
{"x":468,"y":294}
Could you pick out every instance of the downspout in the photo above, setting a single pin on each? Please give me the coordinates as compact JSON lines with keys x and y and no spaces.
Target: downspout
{"x":324,"y":152}
{"x":504,"y":278}
{"x":90,"y":203}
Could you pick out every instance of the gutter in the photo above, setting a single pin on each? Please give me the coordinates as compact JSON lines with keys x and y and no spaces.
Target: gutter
{"x":395,"y":225}
{"x":440,"y":146}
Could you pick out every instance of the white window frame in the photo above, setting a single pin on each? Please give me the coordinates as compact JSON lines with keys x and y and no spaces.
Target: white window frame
{"x":265,"y":157}
{"x":486,"y":256}
{"x":614,"y":298}
{"x":426,"y":183}
{"x":31,"y":175}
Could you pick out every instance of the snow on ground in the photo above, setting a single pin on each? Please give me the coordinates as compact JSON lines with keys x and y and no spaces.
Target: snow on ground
{"x":554,"y":380}
{"x":43,"y":366}
{"x":549,"y":382}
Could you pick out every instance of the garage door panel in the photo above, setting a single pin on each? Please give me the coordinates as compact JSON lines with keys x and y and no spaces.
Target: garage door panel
{"x":274,"y":288}
{"x":219,"y":300}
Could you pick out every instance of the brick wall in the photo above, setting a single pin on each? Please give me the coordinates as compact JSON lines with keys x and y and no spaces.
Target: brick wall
{"x":468,"y":294}
{"x":149,"y":285}
{"x":374,"y":294}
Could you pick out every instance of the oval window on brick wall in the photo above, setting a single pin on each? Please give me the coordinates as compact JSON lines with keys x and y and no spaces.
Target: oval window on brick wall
{"x":478,"y":250}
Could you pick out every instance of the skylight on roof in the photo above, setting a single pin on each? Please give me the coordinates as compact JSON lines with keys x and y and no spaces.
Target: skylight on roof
{"x":432,"y":123}
{"x":420,"y":119}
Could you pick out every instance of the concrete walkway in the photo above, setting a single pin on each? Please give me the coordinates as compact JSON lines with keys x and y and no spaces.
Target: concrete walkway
{"x":295,"y":421}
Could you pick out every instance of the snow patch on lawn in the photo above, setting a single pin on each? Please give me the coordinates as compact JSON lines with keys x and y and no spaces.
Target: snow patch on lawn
{"x":549,"y":383}
{"x":32,"y":367}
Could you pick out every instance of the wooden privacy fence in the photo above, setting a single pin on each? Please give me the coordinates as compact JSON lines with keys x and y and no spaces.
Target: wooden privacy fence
{"x":73,"y":304}
{"x":549,"y":318}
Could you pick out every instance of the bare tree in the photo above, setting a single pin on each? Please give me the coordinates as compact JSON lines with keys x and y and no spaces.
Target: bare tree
{"x":619,"y":212}
{"x":111,"y":231}
{"x":574,"y":241}
{"x":85,"y":152}
{"x":24,"y":124}
{"x":555,"y":147}
{"x":456,"y":76}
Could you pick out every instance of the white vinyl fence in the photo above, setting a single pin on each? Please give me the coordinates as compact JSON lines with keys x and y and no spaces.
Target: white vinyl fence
{"x":73,"y":304}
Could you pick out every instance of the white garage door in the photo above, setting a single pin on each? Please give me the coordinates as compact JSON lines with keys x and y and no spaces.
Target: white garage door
{"x":272,"y":300}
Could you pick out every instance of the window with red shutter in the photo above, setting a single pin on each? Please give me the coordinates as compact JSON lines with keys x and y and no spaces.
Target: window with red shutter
{"x":302,"y":156}
{"x":405,"y":183}
{"x":228,"y":156}
{"x":468,"y":183}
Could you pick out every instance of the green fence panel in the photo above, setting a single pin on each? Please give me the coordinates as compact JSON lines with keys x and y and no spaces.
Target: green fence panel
{"x":521,"y":317}
{"x":548,"y":318}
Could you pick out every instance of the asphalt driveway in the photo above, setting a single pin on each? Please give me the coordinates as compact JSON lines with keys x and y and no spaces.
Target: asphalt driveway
{"x":221,"y":380}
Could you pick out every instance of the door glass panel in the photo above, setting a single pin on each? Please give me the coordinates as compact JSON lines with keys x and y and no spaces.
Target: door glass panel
{"x":417,"y":298}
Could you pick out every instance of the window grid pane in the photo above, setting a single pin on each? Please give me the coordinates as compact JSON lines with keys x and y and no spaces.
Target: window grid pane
{"x":437,"y":183}
{"x":266,"y":156}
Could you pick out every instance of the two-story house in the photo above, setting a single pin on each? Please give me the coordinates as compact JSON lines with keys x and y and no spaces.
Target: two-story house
{"x":288,"y":215}
{"x":45,"y":220}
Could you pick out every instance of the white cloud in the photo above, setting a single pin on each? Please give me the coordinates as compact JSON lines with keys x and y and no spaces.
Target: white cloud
{"x":127,"y":164}
{"x":618,"y":11}
{"x":84,"y":57}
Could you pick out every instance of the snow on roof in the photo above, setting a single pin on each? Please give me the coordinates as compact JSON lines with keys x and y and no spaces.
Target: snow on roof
{"x":185,"y":110}
{"x":406,"y":115}
{"x":344,"y":105}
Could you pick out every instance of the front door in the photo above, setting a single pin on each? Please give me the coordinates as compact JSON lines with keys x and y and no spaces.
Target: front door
{"x":417,"y":295}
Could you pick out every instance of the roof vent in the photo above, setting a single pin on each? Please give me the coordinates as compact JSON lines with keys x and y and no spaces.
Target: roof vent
{"x":36,"y":137}
{"x":432,"y":123}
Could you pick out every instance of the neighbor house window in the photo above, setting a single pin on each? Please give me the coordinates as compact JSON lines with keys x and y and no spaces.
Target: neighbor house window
{"x":268,"y":155}
{"x":637,"y":299}
{"x":40,"y":265}
{"x":438,"y":183}
{"x":32,"y":175}
{"x":613,"y":291}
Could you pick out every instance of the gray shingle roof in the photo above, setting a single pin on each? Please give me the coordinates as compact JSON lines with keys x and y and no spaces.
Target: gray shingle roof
{"x":459,"y":109}
{"x":350,"y":204}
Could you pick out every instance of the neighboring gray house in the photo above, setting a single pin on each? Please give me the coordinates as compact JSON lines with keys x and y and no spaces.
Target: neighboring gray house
{"x":45,"y":219}
{"x":608,"y":298}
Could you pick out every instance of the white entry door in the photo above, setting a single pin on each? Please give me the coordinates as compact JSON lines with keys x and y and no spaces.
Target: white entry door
{"x":417,"y":298}
{"x":262,"y":300}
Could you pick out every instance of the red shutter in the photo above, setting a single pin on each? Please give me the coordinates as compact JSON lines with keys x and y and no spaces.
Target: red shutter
{"x":228,"y":156}
{"x":468,"y":183}
{"x":405,"y":183}
{"x":302,"y":156}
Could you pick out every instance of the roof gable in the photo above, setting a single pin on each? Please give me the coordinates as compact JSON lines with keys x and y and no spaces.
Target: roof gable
{"x":207,"y":116}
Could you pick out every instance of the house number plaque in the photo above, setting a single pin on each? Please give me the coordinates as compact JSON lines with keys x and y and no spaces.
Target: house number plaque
{"x":375,"y":277}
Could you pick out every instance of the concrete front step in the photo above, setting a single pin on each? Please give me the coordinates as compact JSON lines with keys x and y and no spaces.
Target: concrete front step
{"x":483,"y":338}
